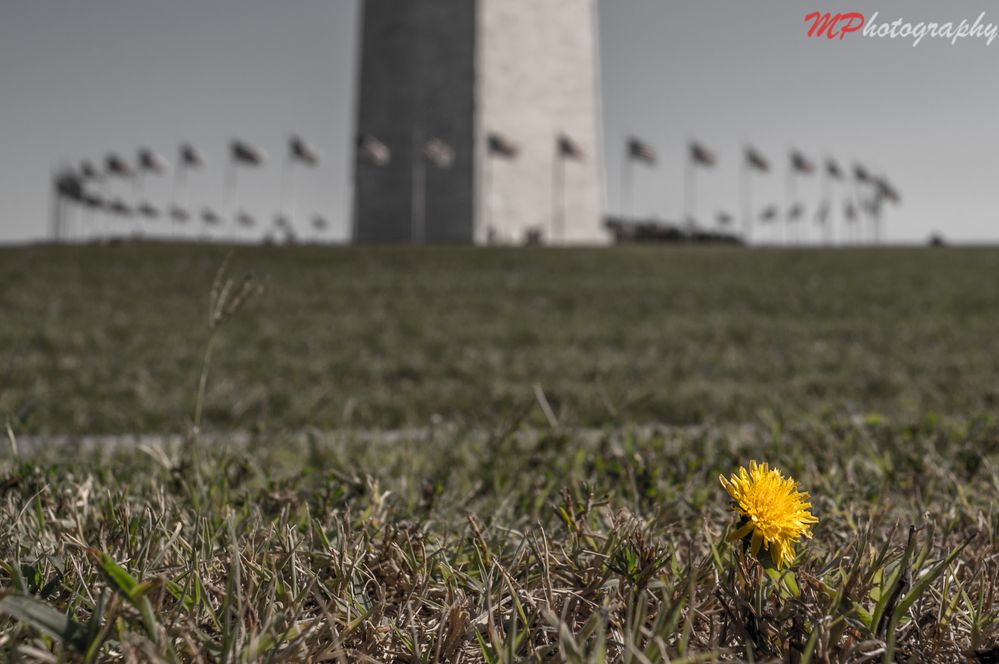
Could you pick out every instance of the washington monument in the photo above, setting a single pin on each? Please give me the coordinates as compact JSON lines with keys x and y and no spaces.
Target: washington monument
{"x":477,"y":123}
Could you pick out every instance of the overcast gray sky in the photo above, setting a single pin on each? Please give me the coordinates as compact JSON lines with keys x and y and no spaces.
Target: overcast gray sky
{"x":79,"y":79}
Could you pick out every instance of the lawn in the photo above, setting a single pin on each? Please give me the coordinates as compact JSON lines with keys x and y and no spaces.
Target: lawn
{"x":454,"y":455}
{"x":111,"y":339}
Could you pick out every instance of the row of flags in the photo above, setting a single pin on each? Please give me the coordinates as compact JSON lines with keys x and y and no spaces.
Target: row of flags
{"x":148,"y":162}
{"x":869,"y":193}
{"x":372,"y":150}
{"x":78,"y":185}
{"x":69,"y":188}
{"x":638,"y":150}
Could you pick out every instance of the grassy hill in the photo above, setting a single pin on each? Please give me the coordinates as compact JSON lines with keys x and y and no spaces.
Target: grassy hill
{"x":110,"y":339}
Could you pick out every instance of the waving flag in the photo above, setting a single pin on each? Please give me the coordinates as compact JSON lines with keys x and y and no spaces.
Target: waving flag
{"x":93,"y":201}
{"x":69,"y":185}
{"x":499,"y":146}
{"x":210,"y":217}
{"x":120,"y":208}
{"x":189,"y":157}
{"x":116,"y":166}
{"x":886,"y":191}
{"x":373,"y":151}
{"x":245,"y":154}
{"x":860,"y":174}
{"x":833,"y":170}
{"x":319,"y":223}
{"x":769,"y":213}
{"x":567,"y":148}
{"x":801,"y":164}
{"x":849,"y":211}
{"x":757,"y":161}
{"x":822,"y":214}
{"x":439,"y":153}
{"x":245,"y":219}
{"x":178,"y":214}
{"x":302,"y":152}
{"x":148,"y":210}
{"x":641,"y":151}
{"x":150,"y":162}
{"x":702,"y":156}
{"x":88,"y":171}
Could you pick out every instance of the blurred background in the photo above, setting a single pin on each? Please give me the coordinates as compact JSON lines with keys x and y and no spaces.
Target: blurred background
{"x":82,"y":81}
{"x":506,"y":122}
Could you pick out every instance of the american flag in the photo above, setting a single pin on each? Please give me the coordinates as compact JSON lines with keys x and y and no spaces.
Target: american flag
{"x":117,"y":166}
{"x":302,"y":152}
{"x":246,"y":220}
{"x":724,"y":218}
{"x":833,"y":170}
{"x":757,"y":161}
{"x":439,"y":153}
{"x":373,"y":151}
{"x":210,"y":217}
{"x":702,"y":156}
{"x":801,"y":164}
{"x":849,"y":211}
{"x":886,"y":191}
{"x":769,"y":213}
{"x":282,"y":222}
{"x":641,"y":151}
{"x":501,"y":147}
{"x":822,"y":215}
{"x":178,"y":214}
{"x":150,"y":162}
{"x":88,"y":171}
{"x":860,"y":173}
{"x":148,"y":210}
{"x":189,"y":157}
{"x":93,"y":201}
{"x":567,"y":148}
{"x":796,"y":211}
{"x":120,"y":208}
{"x":245,"y":154}
{"x":69,"y":185}
{"x":319,"y":223}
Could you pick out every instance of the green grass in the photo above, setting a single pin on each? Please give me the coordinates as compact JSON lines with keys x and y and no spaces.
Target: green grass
{"x":493,"y":527}
{"x":109,"y":339}
{"x":538,"y":547}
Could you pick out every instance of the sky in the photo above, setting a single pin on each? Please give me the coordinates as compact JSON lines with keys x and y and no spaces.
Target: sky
{"x":79,"y":80}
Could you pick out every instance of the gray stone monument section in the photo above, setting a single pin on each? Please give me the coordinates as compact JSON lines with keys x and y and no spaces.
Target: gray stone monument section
{"x":466,"y":71}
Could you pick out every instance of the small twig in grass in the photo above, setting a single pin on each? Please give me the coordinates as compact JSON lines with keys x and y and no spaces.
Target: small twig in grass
{"x":225,"y":300}
{"x":546,"y":408}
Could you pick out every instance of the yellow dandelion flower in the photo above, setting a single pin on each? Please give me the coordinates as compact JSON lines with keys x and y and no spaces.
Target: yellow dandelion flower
{"x":773,"y":511}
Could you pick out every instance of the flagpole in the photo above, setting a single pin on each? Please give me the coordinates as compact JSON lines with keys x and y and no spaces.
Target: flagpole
{"x":789,"y":201}
{"x":349,"y":210}
{"x":859,"y":214}
{"x":56,"y":219}
{"x":747,"y":205}
{"x":487,"y":212}
{"x":626,"y":183}
{"x":99,"y":221}
{"x":283,"y":191}
{"x":230,"y":192}
{"x":690,"y":195}
{"x":558,"y":188}
{"x":418,"y":198}
{"x":292,"y":215}
{"x":827,"y":202}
